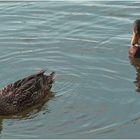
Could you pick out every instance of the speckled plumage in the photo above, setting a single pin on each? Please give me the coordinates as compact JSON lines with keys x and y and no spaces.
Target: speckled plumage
{"x":24,"y":93}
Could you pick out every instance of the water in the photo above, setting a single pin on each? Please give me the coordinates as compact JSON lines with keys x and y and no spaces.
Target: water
{"x":86,"y":43}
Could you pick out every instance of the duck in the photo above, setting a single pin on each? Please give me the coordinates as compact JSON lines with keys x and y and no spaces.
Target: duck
{"x":134,"y":50}
{"x":24,"y":93}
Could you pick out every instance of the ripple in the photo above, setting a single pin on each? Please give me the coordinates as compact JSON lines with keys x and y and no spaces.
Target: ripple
{"x":66,"y":84}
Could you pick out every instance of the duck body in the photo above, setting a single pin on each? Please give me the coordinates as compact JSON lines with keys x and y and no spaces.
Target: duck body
{"x":24,"y":93}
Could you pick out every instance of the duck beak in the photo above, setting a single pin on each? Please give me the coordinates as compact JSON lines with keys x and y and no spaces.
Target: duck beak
{"x":135,"y":39}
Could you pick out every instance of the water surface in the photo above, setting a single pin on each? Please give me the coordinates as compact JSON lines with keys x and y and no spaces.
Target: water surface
{"x":86,"y":44}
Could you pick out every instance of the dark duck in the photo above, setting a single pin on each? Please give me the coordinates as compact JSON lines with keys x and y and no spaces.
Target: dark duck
{"x":27,"y":92}
{"x":134,"y":50}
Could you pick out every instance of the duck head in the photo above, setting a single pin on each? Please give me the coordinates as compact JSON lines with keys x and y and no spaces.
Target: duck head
{"x":135,"y":41}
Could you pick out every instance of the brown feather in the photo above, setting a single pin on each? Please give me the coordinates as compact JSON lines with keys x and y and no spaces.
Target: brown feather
{"x":24,"y":93}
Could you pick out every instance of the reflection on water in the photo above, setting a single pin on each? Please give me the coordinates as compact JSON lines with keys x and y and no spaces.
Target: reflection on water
{"x":28,"y":113}
{"x":136,"y":63}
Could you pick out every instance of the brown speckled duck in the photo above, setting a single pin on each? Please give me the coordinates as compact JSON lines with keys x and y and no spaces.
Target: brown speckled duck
{"x":25,"y":93}
{"x":134,"y":50}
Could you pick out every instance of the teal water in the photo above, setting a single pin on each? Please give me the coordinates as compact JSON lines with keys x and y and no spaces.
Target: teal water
{"x":86,"y":43}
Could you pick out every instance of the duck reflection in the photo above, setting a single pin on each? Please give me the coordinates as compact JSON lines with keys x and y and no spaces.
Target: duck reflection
{"x":136,"y":63}
{"x":29,"y":113}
